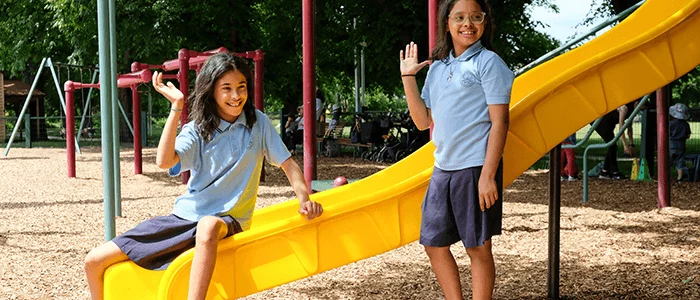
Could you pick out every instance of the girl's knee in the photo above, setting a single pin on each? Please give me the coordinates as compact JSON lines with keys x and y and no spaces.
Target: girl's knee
{"x":480,"y":252}
{"x":100,"y":258}
{"x":92,"y":259}
{"x":210,"y":229}
{"x":96,"y":259}
{"x":436,"y":251}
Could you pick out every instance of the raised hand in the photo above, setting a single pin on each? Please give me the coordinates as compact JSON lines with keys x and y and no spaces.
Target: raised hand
{"x":409,"y":62}
{"x":168,"y":90}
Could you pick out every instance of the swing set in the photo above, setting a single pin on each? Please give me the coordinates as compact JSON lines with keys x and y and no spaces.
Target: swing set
{"x":140,"y":73}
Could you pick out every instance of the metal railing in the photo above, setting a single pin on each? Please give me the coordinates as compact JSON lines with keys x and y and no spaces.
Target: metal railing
{"x":570,"y":45}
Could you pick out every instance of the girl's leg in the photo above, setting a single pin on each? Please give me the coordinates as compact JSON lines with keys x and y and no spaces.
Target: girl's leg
{"x":446,"y":271}
{"x":209,"y":231}
{"x":483,"y":271}
{"x":96,"y":262}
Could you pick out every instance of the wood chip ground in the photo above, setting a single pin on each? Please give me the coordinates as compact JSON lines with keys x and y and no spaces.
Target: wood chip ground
{"x":619,"y":246}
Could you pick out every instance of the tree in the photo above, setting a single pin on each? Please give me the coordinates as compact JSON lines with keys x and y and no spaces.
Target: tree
{"x":153,"y":31}
{"x":149,"y":32}
{"x":384,"y":27}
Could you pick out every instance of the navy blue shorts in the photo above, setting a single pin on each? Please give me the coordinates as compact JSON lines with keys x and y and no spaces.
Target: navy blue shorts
{"x":153,"y":244}
{"x":678,"y":158}
{"x":451,"y":210}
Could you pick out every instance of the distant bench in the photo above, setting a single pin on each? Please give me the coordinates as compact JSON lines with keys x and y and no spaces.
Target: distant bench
{"x":336,"y":134}
{"x":356,"y":146}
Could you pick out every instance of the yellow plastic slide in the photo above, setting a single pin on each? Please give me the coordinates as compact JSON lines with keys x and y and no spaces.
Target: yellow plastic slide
{"x":649,"y":49}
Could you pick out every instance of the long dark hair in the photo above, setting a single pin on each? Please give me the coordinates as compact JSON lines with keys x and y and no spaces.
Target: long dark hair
{"x":443,"y":43}
{"x":202,"y":102}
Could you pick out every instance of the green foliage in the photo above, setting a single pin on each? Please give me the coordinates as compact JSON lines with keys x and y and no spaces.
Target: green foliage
{"x":152,"y":31}
{"x":687,"y":88}
{"x":377,"y":99}
{"x":26,"y":35}
{"x":599,"y":10}
{"x":517,"y":40}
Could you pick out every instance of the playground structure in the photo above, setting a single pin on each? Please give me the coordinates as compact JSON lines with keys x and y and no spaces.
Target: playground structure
{"x":187,"y":60}
{"x":45,"y":63}
{"x":645,"y":52}
{"x":35,"y":119}
{"x":131,"y":80}
{"x":140,"y":73}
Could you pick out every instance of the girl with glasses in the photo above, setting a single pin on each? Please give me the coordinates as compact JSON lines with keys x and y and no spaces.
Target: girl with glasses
{"x":465,"y":98}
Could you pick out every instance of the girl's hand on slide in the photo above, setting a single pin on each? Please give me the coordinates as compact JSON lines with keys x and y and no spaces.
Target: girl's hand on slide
{"x":173,"y":94}
{"x":409,"y":60}
{"x":311,"y":209}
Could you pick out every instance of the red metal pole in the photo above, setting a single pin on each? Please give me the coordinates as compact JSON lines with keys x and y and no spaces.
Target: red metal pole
{"x":259,"y":58}
{"x":432,"y":25}
{"x":183,"y":77}
{"x":70,"y":127}
{"x":663,"y":97}
{"x":136,"y":120}
{"x":432,"y":34}
{"x":127,"y":80}
{"x":198,"y":58}
{"x":309,"y":90}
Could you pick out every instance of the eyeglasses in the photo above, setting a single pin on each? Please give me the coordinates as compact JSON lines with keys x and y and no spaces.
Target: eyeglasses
{"x":475,"y":18}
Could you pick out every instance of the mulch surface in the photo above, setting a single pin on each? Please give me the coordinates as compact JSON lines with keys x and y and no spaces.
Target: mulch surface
{"x":619,"y":245}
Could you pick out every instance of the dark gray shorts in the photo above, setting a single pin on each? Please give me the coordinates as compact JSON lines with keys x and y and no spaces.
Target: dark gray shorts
{"x":451,"y":210}
{"x":153,"y":244}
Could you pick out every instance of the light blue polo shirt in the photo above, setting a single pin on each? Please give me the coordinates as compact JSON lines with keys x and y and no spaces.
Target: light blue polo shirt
{"x":459,"y":104}
{"x":225,"y":172}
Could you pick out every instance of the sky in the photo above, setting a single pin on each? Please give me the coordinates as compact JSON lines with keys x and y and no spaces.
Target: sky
{"x":562,"y":25}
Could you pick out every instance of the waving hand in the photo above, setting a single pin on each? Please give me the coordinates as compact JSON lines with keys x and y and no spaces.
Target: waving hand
{"x":409,"y":62}
{"x":168,"y":90}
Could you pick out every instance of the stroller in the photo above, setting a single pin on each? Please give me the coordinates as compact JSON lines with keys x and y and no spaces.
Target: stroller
{"x":412,"y":139}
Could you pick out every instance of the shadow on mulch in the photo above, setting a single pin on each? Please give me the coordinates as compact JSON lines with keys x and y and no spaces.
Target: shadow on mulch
{"x":517,"y":280}
{"x":20,"y":205}
{"x":667,"y":234}
{"x":146,"y":157}
{"x":23,"y":158}
{"x":614,"y":195}
{"x":667,"y":280}
{"x":5,"y":235}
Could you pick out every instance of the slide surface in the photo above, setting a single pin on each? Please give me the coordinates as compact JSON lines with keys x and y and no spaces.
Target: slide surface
{"x":652,"y":47}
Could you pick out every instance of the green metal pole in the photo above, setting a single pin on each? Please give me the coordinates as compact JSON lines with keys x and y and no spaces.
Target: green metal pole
{"x":585,"y":137}
{"x":86,"y":109}
{"x":126,"y":117}
{"x":27,"y":131}
{"x":628,"y":123}
{"x":115,"y":108}
{"x":56,"y":81}
{"x":106,"y":76}
{"x":24,"y":107}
